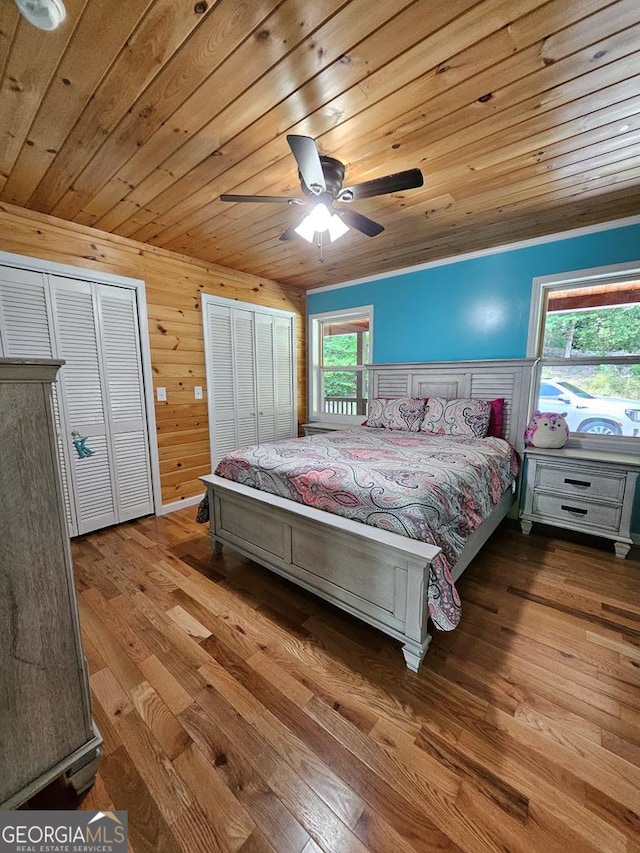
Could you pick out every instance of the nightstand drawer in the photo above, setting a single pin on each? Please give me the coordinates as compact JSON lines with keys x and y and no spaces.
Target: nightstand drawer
{"x":580,"y":482}
{"x":579,"y":512}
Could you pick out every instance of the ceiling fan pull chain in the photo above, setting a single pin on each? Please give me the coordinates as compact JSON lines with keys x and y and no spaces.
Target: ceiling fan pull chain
{"x":321,"y":258}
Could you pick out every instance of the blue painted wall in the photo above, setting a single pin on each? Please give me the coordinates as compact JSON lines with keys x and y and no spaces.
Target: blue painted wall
{"x":469,"y":309}
{"x":477,"y":308}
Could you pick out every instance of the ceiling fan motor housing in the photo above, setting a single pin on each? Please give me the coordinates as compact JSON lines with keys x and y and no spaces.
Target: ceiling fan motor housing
{"x":333,"y":171}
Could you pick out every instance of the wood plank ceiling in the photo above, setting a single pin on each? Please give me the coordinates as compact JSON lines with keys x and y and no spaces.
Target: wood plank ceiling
{"x":134,"y":117}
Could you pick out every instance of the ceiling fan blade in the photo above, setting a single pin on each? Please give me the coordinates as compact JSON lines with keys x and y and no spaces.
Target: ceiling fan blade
{"x":305,"y":150}
{"x":361,"y":223}
{"x":274,"y":199}
{"x":409,"y":180}
{"x":290,"y":233}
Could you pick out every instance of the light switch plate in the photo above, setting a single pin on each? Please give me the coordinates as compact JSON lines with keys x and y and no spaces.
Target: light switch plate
{"x":161,"y":394}
{"x":197,"y":392}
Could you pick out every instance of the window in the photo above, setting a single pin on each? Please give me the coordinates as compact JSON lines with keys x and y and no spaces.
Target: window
{"x":339,"y":347}
{"x":585,"y":330}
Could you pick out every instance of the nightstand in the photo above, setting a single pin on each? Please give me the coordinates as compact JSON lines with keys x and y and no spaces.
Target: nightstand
{"x":316,"y":427}
{"x":591,"y":492}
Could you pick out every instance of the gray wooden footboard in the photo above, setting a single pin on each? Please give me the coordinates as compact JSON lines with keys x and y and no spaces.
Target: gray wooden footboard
{"x":380,"y":577}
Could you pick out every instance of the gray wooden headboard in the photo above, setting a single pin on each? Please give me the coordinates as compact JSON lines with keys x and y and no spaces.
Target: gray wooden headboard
{"x":479,"y":380}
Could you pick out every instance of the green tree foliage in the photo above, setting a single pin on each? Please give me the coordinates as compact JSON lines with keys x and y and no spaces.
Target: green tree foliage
{"x":609,"y":331}
{"x":612,"y":380}
{"x":340,"y":351}
{"x":597,"y":332}
{"x":340,"y":384}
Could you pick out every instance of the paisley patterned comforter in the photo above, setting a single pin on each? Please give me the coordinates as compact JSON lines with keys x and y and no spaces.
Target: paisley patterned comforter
{"x":434,"y":488}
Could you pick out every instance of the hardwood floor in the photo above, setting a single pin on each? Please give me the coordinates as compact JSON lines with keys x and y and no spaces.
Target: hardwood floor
{"x":240,"y":713}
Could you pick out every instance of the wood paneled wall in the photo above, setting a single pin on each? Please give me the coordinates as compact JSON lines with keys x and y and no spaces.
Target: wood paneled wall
{"x":174,"y":285}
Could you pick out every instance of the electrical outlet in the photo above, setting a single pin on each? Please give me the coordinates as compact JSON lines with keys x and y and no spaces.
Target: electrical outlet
{"x":197,"y":392}
{"x":161,"y":394}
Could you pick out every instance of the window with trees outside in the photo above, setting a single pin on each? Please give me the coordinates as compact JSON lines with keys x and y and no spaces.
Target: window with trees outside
{"x":587,"y":337}
{"x":339,"y":347}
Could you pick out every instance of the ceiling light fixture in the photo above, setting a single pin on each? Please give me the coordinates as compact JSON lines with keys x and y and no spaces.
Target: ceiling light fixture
{"x":320,"y":220}
{"x":43,"y":14}
{"x":317,"y":222}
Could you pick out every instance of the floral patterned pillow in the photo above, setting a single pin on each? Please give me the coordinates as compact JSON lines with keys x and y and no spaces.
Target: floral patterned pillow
{"x":465,"y":418}
{"x":397,"y":413}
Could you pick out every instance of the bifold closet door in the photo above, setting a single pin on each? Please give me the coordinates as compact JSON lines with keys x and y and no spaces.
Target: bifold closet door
{"x":26,"y":331}
{"x":124,"y":388}
{"x":103,"y":401}
{"x":283,"y":344}
{"x":274,"y":376}
{"x":265,"y":377}
{"x":232,"y":388}
{"x":245,"y":377}
{"x":221,"y":388}
{"x":84,"y":403}
{"x":99,"y":395}
{"x":250,"y":376}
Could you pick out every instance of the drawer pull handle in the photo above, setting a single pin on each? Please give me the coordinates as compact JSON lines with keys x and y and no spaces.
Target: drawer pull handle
{"x":571,"y":482}
{"x":574,"y":509}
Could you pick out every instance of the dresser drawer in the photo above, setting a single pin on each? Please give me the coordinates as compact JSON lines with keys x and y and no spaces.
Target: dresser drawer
{"x":578,"y":512}
{"x":580,"y":482}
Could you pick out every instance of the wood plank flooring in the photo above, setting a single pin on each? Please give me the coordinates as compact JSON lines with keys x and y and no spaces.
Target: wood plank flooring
{"x":240,"y":713}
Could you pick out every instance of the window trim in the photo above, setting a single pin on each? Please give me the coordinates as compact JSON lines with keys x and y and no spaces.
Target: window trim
{"x":314,"y":383}
{"x":541,"y":287}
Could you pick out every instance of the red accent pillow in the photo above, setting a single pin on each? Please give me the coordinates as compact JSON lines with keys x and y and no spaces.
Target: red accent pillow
{"x":496,"y":418}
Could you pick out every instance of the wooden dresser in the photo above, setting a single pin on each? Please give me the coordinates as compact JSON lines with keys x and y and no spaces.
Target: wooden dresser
{"x":46,"y":728}
{"x":590,"y":492}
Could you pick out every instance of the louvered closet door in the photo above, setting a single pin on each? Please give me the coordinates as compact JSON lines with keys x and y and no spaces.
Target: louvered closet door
{"x":25,"y":324}
{"x":284,"y":378}
{"x":265,"y":377}
{"x":221,"y":383}
{"x":250,"y":375}
{"x":124,"y":397}
{"x":245,"y":379}
{"x":26,"y":331}
{"x":84,"y":402}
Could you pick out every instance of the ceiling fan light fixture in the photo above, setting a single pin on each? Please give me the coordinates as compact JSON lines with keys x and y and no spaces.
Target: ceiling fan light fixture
{"x":337,"y":228}
{"x":320,"y":219}
{"x":306,"y":229}
{"x":43,"y":14}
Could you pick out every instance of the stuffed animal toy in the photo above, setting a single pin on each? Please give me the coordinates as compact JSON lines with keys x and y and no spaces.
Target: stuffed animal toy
{"x":546,"y":429}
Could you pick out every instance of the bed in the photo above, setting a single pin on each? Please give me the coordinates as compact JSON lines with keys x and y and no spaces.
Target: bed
{"x":387,"y":574}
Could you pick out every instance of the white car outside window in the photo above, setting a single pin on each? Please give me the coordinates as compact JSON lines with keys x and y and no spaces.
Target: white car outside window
{"x":586,"y":413}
